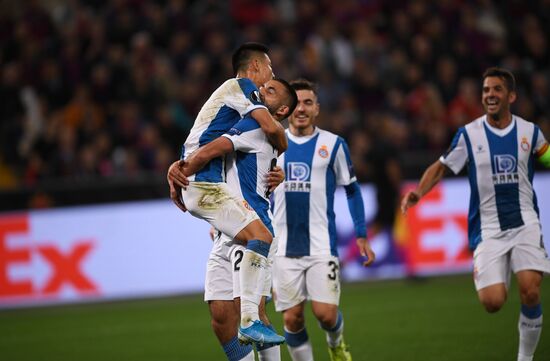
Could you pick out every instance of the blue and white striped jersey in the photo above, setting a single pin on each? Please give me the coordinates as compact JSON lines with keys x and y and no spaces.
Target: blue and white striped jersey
{"x":248,"y":166}
{"x":226,"y":106}
{"x":500,"y":169}
{"x":303,"y":205}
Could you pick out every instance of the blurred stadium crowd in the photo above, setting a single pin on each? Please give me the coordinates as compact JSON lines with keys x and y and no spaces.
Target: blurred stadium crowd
{"x":106,"y":88}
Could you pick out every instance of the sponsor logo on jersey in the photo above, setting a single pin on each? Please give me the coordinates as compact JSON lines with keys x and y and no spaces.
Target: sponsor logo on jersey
{"x":525,"y":144}
{"x":505,"y":169}
{"x":323,"y":151}
{"x":297,"y":171}
{"x":505,"y":178}
{"x":297,"y":177}
{"x":297,"y":186}
{"x":505,"y":163}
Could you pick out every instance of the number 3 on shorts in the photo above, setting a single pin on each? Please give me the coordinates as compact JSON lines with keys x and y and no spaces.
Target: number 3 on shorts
{"x":333,"y":275}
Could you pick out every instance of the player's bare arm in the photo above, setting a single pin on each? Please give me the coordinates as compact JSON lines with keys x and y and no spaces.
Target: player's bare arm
{"x":429,"y":179}
{"x":273,"y":129}
{"x":205,"y":154}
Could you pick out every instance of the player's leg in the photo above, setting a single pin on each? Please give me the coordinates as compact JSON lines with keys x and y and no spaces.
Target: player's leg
{"x":225,"y":319}
{"x":289,"y":290}
{"x":492,"y":272}
{"x":225,"y":211}
{"x":493,"y":297}
{"x":529,"y":260}
{"x":530,"y":319}
{"x":253,"y":275}
{"x":323,"y":285}
{"x":296,"y":336}
{"x":266,"y":352}
{"x":253,"y":269}
{"x":219,"y":295}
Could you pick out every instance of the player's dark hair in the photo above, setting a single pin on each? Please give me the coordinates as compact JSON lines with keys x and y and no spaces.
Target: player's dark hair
{"x":304,"y":84}
{"x":292,"y":99}
{"x":504,"y":74}
{"x":243,"y":55}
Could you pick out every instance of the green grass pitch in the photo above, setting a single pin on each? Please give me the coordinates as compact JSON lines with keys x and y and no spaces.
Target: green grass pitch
{"x":430,"y":319}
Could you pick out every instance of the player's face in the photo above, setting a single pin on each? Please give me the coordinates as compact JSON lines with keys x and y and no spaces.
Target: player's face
{"x":306,"y":111}
{"x":272,"y":95}
{"x":495,"y":97}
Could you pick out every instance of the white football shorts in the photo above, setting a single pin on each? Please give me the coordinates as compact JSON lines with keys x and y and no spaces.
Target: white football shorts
{"x":219,"y":206}
{"x":296,"y":279}
{"x":222,"y":270}
{"x":513,"y":250}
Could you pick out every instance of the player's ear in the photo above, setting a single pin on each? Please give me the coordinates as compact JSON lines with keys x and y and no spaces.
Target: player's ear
{"x":282,"y":112}
{"x":512,"y":97}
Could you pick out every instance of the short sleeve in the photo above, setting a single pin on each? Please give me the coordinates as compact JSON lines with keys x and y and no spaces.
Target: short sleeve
{"x":343,"y":168}
{"x":457,"y":155}
{"x":245,"y":135}
{"x":541,"y":144}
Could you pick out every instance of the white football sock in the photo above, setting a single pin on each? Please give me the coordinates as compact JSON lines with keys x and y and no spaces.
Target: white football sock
{"x":334,"y":334}
{"x":298,"y":345}
{"x":270,"y":354}
{"x":529,"y":335}
{"x":252,"y":278}
{"x":304,"y":352}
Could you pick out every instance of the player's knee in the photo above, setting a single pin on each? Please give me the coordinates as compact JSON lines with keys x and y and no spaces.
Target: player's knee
{"x":493,"y":304}
{"x":327,"y":319}
{"x":530,"y":296}
{"x":294,"y":322}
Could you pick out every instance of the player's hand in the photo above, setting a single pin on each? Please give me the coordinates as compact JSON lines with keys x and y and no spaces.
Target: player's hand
{"x":175,"y":195}
{"x":176,"y":175}
{"x":366,"y":251}
{"x":177,"y":181}
{"x":274,"y":178}
{"x":409,"y":200}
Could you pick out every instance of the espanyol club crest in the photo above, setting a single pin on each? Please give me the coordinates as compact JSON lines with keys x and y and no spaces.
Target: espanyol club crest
{"x":525,"y":144}
{"x":246,"y":205}
{"x":323,"y":151}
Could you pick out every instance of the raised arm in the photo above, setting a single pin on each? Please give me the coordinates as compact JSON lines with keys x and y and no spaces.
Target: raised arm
{"x":429,"y":179}
{"x":216,"y":148}
{"x":273,"y":129}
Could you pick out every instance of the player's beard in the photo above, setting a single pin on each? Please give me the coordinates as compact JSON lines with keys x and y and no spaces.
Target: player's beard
{"x":272,"y":108}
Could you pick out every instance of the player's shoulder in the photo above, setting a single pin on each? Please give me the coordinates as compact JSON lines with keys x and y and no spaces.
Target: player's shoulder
{"x":241,"y":85}
{"x":523,"y":123}
{"x":475,"y":124}
{"x":329,"y":135}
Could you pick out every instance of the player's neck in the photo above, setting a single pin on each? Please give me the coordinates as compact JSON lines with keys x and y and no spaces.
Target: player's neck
{"x":249,"y":75}
{"x":302,"y":132}
{"x":499,"y":121}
